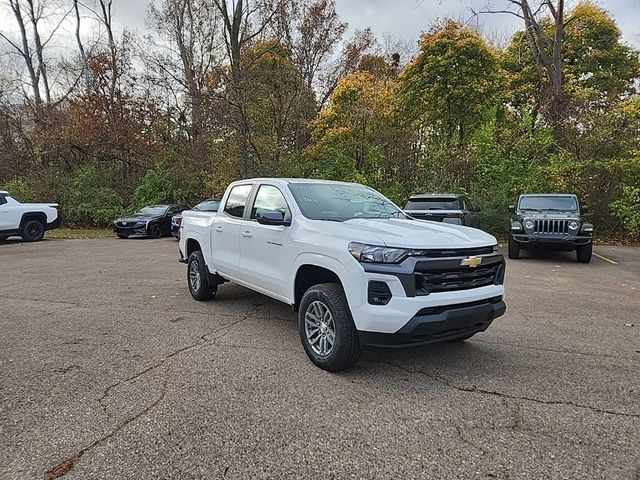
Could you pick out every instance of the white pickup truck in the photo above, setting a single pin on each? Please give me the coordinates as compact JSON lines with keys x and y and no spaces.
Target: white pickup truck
{"x":27,"y":220}
{"x":358,"y":270}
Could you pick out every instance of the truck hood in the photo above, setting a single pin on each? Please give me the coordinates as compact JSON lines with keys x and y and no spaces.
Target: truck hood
{"x":550,"y":216}
{"x":395,"y":232}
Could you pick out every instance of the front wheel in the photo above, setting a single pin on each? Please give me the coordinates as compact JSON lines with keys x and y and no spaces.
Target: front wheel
{"x":198,"y":281}
{"x":514,"y":248}
{"x":32,"y":231}
{"x":327,"y":331}
{"x":583,"y":253}
{"x":3,"y":237}
{"x":155,"y":230}
{"x":123,"y":236}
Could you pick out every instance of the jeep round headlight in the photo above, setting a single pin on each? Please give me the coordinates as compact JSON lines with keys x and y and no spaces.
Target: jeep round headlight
{"x":573,"y":225}
{"x":528,"y":224}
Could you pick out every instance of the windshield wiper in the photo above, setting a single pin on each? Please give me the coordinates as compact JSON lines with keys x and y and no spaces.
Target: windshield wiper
{"x":329,"y":220}
{"x":559,"y":210}
{"x":530,"y":210}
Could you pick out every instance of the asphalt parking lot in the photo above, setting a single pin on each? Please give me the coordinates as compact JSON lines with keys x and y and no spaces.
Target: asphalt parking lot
{"x":109,"y":370}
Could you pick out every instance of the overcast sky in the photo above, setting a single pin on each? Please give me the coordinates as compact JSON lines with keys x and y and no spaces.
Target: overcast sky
{"x":403,"y":18}
{"x":408,"y":18}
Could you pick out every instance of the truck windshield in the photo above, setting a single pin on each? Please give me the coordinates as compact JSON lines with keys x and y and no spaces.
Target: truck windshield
{"x":550,"y":202}
{"x":432,"y":203}
{"x":339,"y":202}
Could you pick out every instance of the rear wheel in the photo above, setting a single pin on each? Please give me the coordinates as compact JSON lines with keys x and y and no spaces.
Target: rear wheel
{"x":327,"y":331}
{"x":514,"y":248}
{"x":32,"y":231}
{"x":584,"y":253}
{"x":198,"y":279}
{"x":155,"y":230}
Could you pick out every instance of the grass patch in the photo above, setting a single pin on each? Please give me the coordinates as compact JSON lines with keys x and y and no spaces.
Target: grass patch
{"x":80,"y":233}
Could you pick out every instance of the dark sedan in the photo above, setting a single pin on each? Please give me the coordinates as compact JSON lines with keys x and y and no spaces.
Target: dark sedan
{"x":209,"y":205}
{"x":153,"y":221}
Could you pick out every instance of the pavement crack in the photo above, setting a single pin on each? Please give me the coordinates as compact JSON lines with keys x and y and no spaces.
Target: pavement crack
{"x":482,"y":391}
{"x":69,"y":463}
{"x":202,"y":340}
{"x":472,"y":444}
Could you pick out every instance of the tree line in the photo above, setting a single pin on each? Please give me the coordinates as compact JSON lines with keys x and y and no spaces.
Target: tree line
{"x":218,"y":90}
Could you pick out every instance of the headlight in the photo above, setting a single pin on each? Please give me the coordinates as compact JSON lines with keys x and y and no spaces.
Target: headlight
{"x":529,"y":224}
{"x":573,"y":225}
{"x":515,"y":226}
{"x":376,"y":254}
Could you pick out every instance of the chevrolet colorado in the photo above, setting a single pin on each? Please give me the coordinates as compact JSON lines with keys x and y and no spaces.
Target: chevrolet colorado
{"x":27,"y":220}
{"x":358,"y":270}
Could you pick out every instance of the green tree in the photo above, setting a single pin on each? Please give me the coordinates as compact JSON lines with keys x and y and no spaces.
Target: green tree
{"x":454,"y":79}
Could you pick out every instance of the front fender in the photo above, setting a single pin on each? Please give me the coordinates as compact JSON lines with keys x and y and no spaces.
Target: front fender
{"x":350,"y":273}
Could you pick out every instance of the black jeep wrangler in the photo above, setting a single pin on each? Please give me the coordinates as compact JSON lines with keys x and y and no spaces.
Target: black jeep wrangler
{"x":551,"y":221}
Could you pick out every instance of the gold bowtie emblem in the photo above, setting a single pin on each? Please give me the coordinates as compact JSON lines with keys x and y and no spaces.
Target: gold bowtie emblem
{"x":472,"y":262}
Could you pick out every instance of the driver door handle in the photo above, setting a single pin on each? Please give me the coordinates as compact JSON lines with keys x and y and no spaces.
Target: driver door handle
{"x":246,"y":234}
{"x":219,"y":229}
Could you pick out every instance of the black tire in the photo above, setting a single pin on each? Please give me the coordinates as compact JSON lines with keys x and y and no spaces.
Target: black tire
{"x":514,"y":249}
{"x":155,"y":230}
{"x":4,"y":237}
{"x":32,"y":231}
{"x":123,"y":236}
{"x":202,"y":289}
{"x":583,"y":253}
{"x":346,"y":350}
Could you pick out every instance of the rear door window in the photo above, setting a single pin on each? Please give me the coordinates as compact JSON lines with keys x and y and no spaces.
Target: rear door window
{"x":237,"y":200}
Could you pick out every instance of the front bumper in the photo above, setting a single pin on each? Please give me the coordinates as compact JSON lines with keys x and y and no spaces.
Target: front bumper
{"x":438,"y":324}
{"x":130,"y":230}
{"x":552,"y":240}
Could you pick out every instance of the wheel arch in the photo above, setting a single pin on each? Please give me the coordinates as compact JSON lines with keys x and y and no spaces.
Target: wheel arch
{"x":309,"y":273}
{"x":39,"y":216}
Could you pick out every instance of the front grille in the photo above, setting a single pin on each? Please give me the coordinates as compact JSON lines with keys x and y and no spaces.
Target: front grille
{"x":452,"y":252}
{"x":552,"y":227}
{"x":460,"y":278}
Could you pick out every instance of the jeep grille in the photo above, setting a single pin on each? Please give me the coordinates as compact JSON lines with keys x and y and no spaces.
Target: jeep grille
{"x":557,"y":227}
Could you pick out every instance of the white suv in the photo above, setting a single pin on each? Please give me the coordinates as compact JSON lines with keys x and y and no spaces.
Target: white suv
{"x":27,"y":220}
{"x":358,"y":270}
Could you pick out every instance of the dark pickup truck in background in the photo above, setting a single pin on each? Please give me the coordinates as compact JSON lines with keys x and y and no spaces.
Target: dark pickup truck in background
{"x":447,"y":208}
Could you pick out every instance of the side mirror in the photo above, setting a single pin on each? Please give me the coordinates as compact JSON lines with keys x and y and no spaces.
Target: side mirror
{"x":271,"y":218}
{"x":585,"y":209}
{"x":512,"y":209}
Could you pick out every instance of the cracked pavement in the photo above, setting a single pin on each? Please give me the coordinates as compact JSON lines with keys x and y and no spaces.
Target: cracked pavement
{"x":109,"y":369}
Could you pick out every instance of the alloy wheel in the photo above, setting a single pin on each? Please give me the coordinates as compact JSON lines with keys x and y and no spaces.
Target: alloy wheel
{"x":320,"y":328}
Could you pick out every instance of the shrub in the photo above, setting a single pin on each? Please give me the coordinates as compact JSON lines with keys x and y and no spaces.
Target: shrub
{"x":90,"y":199}
{"x":627,"y":209}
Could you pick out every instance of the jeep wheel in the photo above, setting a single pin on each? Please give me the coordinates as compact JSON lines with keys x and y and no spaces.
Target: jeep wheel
{"x":4,"y":237}
{"x":198,"y":280}
{"x":155,"y":230}
{"x":123,"y":236}
{"x":514,"y":248}
{"x":584,"y":253}
{"x":32,"y":231}
{"x":326,"y":327}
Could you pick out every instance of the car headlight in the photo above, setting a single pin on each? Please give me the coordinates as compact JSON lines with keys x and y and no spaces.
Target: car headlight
{"x":377,"y":254}
{"x":573,"y":225}
{"x":515,"y":226}
{"x":529,"y":224}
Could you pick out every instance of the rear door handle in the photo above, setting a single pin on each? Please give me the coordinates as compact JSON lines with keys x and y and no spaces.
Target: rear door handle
{"x":247,"y":234}
{"x":219,"y":228}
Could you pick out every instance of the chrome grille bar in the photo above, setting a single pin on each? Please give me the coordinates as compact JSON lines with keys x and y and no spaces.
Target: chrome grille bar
{"x":551,"y":227}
